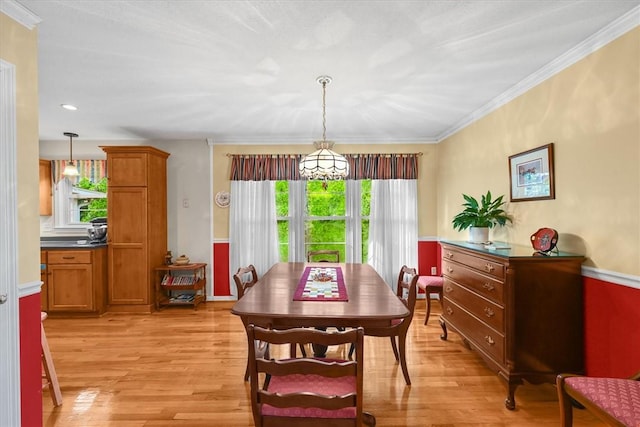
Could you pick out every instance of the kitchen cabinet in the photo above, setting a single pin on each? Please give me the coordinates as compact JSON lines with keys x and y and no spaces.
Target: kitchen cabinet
{"x":137,"y":219}
{"x":46,"y":186}
{"x":75,"y":281}
{"x":520,"y":310}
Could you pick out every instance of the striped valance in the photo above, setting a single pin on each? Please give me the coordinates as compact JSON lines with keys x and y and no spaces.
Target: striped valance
{"x":93,"y":170}
{"x":284,"y":167}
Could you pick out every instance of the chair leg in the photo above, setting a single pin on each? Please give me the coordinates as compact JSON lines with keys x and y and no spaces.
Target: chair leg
{"x":50,"y":370}
{"x":428,"y":298}
{"x":395,"y":348}
{"x":403,"y":358}
{"x":566,"y":409}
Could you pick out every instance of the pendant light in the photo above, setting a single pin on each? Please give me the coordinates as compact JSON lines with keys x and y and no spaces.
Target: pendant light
{"x":70,"y":169}
{"x":324,"y":164}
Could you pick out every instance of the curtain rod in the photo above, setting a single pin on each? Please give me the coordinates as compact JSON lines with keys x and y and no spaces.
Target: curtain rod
{"x":344,"y":154}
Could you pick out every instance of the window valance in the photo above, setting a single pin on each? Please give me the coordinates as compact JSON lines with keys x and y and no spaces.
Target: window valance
{"x":93,"y":170}
{"x":284,"y":167}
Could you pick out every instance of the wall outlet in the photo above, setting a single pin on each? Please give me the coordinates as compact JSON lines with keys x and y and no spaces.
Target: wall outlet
{"x":434,"y":271}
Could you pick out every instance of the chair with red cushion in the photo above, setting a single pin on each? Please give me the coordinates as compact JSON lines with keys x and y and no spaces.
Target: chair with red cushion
{"x":615,"y":401}
{"x":308,"y":391}
{"x":430,"y":285}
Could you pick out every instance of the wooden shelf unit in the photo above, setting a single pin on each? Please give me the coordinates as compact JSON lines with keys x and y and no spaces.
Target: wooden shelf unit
{"x":171,"y":279}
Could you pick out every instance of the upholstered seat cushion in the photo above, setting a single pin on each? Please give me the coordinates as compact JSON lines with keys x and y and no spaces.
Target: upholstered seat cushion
{"x":618,"y":397}
{"x":425,"y":281}
{"x":311,"y":383}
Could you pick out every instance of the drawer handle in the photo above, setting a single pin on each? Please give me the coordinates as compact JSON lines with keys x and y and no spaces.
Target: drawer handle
{"x":489,"y":267}
{"x":488,"y":312}
{"x":68,"y":257}
{"x":449,"y":310}
{"x":449,"y":255}
{"x":488,"y":286}
{"x":449,"y":270}
{"x":489,"y":340}
{"x":448,"y":289}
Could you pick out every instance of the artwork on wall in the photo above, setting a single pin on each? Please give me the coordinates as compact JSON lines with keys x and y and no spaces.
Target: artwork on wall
{"x":531,"y":174}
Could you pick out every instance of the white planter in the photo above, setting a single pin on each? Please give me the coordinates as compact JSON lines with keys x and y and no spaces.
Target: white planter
{"x":479,"y":234}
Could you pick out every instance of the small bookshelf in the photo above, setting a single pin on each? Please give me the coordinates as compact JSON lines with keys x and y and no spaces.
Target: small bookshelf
{"x":180,"y":285}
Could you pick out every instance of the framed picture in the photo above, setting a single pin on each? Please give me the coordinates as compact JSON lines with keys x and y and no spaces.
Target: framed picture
{"x":531,"y":174}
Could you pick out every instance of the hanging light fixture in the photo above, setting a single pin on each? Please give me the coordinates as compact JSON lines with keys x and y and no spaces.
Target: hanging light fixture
{"x":324,"y":164}
{"x":70,"y":169}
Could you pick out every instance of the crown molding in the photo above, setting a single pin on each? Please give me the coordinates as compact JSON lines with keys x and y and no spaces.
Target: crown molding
{"x":620,"y":26}
{"x":19,"y":13}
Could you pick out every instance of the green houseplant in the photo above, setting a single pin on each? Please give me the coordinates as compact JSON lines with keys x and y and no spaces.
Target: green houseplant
{"x":479,"y":217}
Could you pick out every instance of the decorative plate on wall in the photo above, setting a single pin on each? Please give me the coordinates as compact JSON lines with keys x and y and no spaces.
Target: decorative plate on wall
{"x":223,"y":198}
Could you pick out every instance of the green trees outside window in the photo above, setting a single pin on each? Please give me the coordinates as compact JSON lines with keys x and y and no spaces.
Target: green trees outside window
{"x":326,"y":220}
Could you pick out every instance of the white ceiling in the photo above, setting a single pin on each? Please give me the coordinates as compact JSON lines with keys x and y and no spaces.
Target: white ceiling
{"x":245,"y":71}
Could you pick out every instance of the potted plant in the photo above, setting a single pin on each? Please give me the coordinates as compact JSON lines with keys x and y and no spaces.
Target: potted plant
{"x":479,"y":217}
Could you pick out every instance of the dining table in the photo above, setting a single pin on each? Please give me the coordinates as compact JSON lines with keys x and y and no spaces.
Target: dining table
{"x":272,"y":301}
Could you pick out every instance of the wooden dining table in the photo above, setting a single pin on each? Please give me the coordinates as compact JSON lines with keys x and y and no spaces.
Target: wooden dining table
{"x":371,"y":302}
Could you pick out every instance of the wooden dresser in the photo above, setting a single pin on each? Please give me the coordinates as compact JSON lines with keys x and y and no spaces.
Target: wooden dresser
{"x":521,"y":311}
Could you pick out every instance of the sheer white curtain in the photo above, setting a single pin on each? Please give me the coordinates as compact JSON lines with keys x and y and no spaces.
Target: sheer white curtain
{"x":393,"y":227}
{"x":253,"y":230}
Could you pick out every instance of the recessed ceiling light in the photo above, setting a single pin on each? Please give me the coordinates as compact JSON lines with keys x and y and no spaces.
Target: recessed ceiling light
{"x":69,"y":107}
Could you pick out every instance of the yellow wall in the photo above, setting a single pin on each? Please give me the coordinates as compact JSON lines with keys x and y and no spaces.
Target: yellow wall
{"x":591,"y":112}
{"x":18,"y":46}
{"x":426,"y":179}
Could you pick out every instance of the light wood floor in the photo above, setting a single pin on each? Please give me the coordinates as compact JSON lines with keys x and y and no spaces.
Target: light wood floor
{"x":181,"y":367}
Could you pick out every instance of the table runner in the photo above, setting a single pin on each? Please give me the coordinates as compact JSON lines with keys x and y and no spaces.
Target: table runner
{"x":330,"y":289}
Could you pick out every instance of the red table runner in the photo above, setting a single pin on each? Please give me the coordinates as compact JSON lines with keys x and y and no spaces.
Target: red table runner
{"x":321,"y":284}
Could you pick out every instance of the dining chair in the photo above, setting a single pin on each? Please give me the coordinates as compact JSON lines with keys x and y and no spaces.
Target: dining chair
{"x":612,"y":400}
{"x":50,"y":379}
{"x":325,"y":256}
{"x":430,"y":284}
{"x":245,"y":279}
{"x":305,"y":391}
{"x":397,"y":330}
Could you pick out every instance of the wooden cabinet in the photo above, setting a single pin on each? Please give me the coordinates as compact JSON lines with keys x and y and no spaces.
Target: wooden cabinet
{"x":137,"y":219}
{"x":181,"y":285}
{"x":46,"y":195}
{"x":521,"y":311}
{"x":44,"y":298}
{"x":75,"y":281}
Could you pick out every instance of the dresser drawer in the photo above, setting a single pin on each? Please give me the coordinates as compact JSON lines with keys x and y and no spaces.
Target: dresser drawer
{"x":479,"y":334}
{"x":489,"y":312}
{"x":484,"y":285}
{"x":69,"y":257}
{"x":487,"y":266}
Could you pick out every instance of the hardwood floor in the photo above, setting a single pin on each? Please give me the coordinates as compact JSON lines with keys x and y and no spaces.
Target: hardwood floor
{"x":180,"y":367}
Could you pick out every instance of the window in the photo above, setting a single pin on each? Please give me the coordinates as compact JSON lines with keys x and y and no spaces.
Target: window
{"x":311,"y":217}
{"x":77,"y":204}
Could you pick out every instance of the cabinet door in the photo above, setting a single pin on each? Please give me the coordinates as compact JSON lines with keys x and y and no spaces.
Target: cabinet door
{"x":70,"y":287}
{"x":128,"y":275}
{"x":45,"y":188}
{"x":44,"y":298}
{"x":127,"y":170}
{"x":127,"y":215}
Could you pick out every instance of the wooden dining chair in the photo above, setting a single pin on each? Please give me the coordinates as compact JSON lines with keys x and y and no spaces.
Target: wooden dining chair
{"x":430,"y":285}
{"x":325,"y":255}
{"x":407,"y":292}
{"x":305,"y":391}
{"x":612,"y":400}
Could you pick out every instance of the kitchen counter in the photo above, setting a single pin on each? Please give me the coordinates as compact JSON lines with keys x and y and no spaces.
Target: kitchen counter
{"x":65,"y":244}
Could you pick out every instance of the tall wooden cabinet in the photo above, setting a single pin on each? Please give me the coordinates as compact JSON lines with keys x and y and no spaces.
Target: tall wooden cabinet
{"x":520,"y":310}
{"x":137,"y":221}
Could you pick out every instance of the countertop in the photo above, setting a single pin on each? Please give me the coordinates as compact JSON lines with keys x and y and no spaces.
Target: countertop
{"x":69,"y":243}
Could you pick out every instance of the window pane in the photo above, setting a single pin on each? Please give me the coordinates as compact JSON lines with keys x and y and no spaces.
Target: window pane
{"x":329,"y":202}
{"x":326,"y":234}
{"x":283,"y":240}
{"x":366,"y":197}
{"x":282,"y":199}
{"x":365,"y":240}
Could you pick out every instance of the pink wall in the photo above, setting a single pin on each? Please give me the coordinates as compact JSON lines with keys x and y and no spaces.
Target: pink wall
{"x":30,"y":362}
{"x":221,"y":275}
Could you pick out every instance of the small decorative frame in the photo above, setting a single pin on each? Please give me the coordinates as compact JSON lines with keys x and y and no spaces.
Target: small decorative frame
{"x":531,"y":174}
{"x":222,"y":199}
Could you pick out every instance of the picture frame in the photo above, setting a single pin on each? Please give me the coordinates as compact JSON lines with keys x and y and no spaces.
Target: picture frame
{"x":531,"y":174}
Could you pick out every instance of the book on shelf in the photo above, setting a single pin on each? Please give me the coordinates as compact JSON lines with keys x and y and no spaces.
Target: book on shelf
{"x":169,"y":280}
{"x":183,"y":298}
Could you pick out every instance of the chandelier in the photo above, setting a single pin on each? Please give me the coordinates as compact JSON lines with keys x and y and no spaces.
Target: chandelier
{"x":324,"y":164}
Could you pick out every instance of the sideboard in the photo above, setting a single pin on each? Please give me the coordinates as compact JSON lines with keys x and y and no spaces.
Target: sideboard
{"x":521,"y":310}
